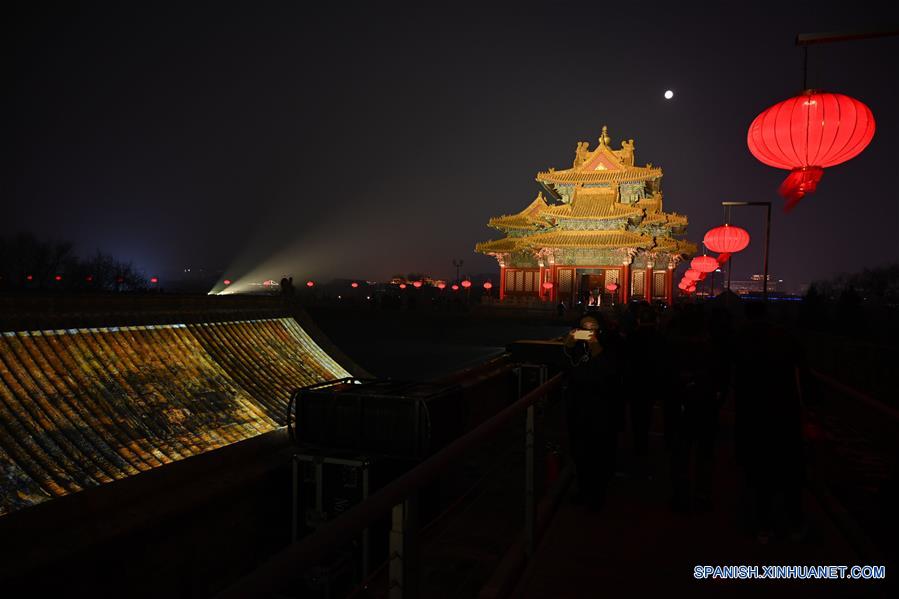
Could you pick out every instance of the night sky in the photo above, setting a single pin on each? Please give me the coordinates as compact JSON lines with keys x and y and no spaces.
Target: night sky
{"x":274,"y":138}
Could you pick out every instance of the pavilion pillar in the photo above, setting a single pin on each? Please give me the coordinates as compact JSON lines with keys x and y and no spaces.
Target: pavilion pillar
{"x":502,"y":282}
{"x":625,"y":283}
{"x":554,"y":296}
{"x":541,"y":292}
{"x":647,"y":285}
{"x":669,"y":286}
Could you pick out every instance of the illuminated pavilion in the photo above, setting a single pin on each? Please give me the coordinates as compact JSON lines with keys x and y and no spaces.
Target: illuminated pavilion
{"x":595,"y":224}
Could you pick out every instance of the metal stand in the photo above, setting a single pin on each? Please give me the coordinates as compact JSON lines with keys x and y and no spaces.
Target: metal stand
{"x":315,"y":517}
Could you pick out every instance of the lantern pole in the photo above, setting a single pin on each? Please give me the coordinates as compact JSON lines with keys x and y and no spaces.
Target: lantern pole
{"x":807,"y":39}
{"x":767,"y":205}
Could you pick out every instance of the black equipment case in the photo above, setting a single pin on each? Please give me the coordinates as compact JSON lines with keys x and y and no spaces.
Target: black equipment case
{"x":382,"y":417}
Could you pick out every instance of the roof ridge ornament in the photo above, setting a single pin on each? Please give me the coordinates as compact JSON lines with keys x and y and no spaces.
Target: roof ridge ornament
{"x":605,"y":139}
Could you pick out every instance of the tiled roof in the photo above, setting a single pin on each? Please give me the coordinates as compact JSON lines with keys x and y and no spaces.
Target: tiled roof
{"x":83,"y":407}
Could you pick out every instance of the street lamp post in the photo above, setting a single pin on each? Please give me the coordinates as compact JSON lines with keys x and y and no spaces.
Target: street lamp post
{"x":767,"y":205}
{"x":458,"y":264}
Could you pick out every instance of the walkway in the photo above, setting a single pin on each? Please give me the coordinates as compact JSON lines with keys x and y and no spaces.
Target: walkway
{"x":635,"y":545}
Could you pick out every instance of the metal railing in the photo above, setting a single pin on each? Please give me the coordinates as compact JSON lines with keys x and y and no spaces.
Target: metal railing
{"x":398,"y":499}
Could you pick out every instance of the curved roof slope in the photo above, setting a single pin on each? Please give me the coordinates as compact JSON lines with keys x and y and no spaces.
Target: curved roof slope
{"x":82,"y":407}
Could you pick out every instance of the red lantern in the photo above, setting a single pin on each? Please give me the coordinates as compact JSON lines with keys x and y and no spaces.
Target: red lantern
{"x":548,"y":285}
{"x":611,"y":287}
{"x":227,"y":281}
{"x":57,"y":278}
{"x":488,"y":285}
{"x":692,"y":274}
{"x":808,"y":133}
{"x":726,"y":240}
{"x":466,"y":283}
{"x":310,"y":284}
{"x":402,"y":285}
{"x":441,"y":285}
{"x":455,"y":287}
{"x":154,"y":280}
{"x":89,"y":278}
{"x":29,"y":277}
{"x":354,"y":284}
{"x":416,"y":284}
{"x":704,"y":264}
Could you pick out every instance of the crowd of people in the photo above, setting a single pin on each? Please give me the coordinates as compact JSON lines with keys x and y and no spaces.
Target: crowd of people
{"x":689,"y":361}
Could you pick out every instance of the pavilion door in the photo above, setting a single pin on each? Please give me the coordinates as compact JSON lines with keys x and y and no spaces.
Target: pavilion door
{"x":591,"y":288}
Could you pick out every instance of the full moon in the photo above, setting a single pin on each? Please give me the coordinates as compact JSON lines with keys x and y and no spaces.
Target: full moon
{"x":669,"y":94}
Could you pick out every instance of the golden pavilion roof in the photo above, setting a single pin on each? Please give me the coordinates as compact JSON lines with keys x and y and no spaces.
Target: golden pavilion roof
{"x":594,"y":217}
{"x":601,"y":165}
{"x":578,"y":240}
{"x":526,"y":219}
{"x":593,"y":203}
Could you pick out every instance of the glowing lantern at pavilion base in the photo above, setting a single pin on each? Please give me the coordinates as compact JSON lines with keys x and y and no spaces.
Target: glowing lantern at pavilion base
{"x":704,"y":264}
{"x":726,"y":240}
{"x":548,"y":285}
{"x":466,"y":283}
{"x":416,"y":284}
{"x":612,"y":287}
{"x":488,"y":285}
{"x":808,"y":133}
{"x":441,"y":285}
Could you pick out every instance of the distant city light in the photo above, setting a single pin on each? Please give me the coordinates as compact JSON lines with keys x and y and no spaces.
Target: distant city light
{"x":310,"y":283}
{"x":368,"y":297}
{"x":89,"y":278}
{"x":120,"y":279}
{"x":29,"y":277}
{"x":57,"y":278}
{"x":669,"y":94}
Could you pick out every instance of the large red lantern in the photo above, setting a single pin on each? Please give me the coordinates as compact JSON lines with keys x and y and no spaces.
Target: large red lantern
{"x":704,"y":264}
{"x":611,"y":287}
{"x":692,"y":274}
{"x":808,"y":133}
{"x":548,"y":285}
{"x":726,"y":240}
